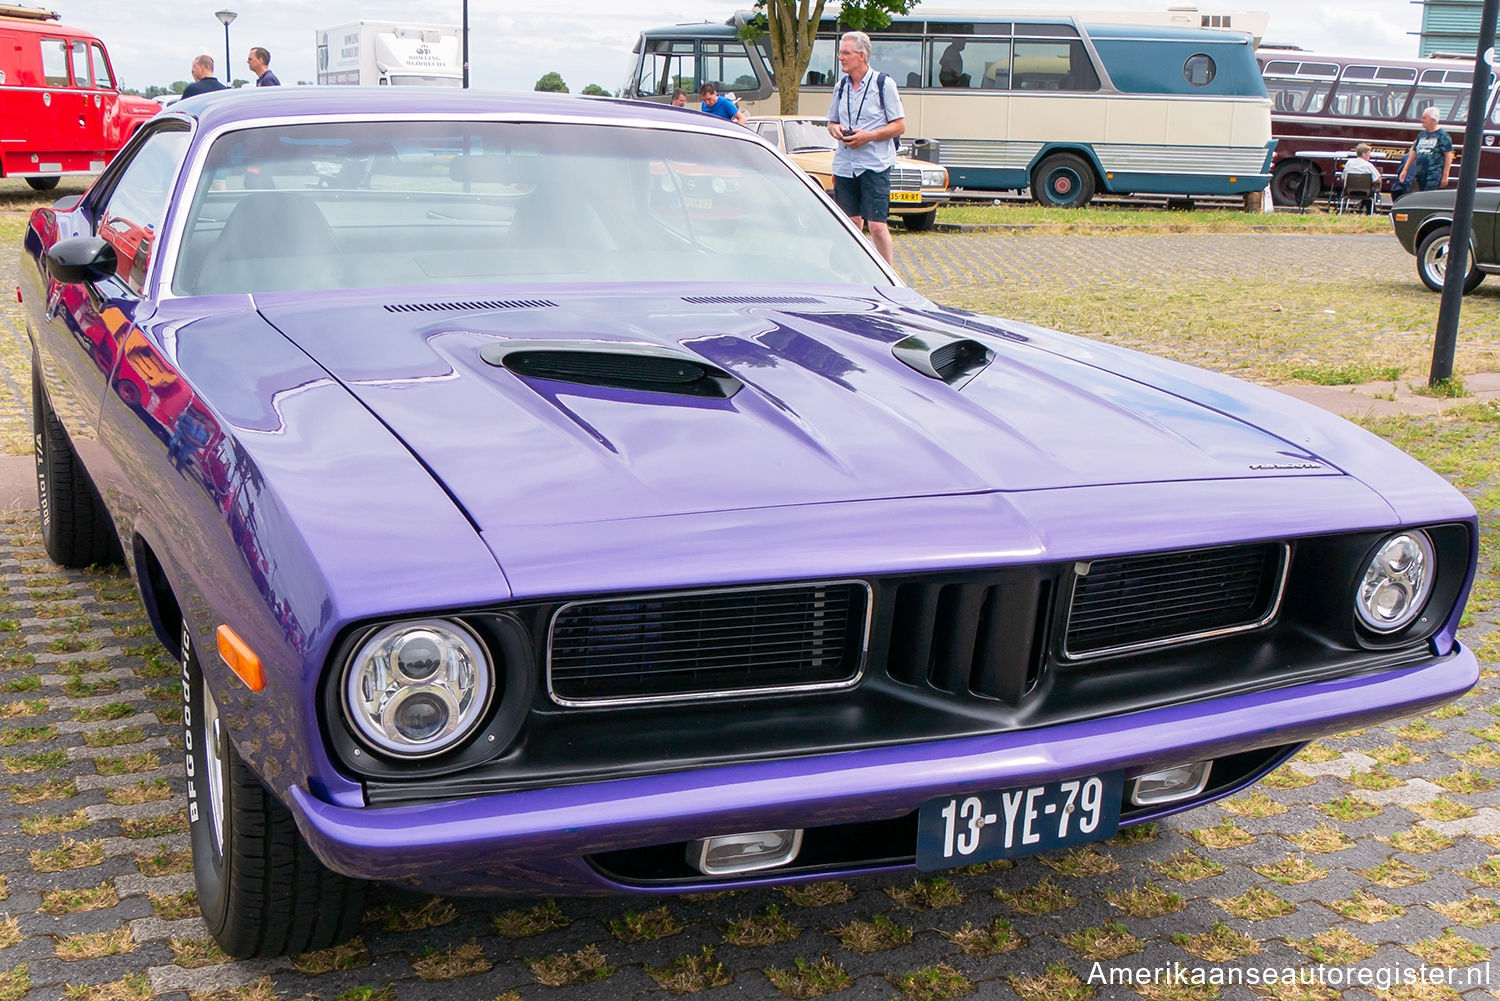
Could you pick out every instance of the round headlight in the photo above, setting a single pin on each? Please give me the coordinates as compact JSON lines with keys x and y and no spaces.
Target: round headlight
{"x":418,"y":688}
{"x":1397,"y":582}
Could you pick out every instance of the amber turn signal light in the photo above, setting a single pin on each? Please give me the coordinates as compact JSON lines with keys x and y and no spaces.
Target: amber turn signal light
{"x":241,"y":659}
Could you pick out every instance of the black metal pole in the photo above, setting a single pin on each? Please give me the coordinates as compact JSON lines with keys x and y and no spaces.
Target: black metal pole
{"x":228,"y":76}
{"x":466,"y":44}
{"x":1445,"y":343}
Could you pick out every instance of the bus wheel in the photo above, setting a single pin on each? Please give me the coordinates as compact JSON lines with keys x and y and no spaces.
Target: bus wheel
{"x":1063,"y":180}
{"x":1288,"y":179}
{"x":43,"y":183}
{"x":920,"y":223}
{"x":1432,"y":262}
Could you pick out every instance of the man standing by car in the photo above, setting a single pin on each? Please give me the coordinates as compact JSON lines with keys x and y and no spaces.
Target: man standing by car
{"x":866,"y":118}
{"x":204,"y":80}
{"x":713,"y":104}
{"x":1430,"y":160}
{"x":259,"y":62}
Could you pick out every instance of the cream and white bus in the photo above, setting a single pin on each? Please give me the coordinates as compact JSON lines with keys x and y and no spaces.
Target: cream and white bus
{"x":1015,"y":101}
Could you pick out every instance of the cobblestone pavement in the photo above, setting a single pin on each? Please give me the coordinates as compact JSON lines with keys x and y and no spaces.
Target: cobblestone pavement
{"x":1378,"y":849}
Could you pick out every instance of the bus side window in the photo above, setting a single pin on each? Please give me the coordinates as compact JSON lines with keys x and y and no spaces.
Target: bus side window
{"x":1062,"y":66}
{"x":898,"y":58}
{"x":823,"y":69}
{"x":728,"y":65}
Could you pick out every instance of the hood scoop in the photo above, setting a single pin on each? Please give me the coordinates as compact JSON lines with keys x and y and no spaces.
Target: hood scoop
{"x":650,"y":368}
{"x":753,"y":300}
{"x":434,"y":307}
{"x":954,"y":360}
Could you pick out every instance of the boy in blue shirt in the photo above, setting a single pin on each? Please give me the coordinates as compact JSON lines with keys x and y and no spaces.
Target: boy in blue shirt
{"x":713,"y":104}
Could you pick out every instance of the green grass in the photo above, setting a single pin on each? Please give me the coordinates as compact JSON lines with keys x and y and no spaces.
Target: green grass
{"x":1101,"y":219}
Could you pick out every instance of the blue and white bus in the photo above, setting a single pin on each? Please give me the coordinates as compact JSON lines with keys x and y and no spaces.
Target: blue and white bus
{"x":1014,"y":101}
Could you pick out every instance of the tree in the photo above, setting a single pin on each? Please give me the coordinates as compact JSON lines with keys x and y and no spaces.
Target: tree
{"x":594,"y":90}
{"x":793,"y":25}
{"x":552,"y":83}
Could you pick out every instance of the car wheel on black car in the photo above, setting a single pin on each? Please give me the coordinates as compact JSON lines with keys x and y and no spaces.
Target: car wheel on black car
{"x":75,"y":527}
{"x":261,"y":889}
{"x":919,"y":223}
{"x":1432,"y":262}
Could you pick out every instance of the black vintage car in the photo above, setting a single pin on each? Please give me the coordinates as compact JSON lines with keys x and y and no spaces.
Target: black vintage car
{"x":1422,"y":222}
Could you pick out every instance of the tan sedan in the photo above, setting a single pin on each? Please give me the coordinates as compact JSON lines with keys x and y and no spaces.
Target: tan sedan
{"x":917,"y":187}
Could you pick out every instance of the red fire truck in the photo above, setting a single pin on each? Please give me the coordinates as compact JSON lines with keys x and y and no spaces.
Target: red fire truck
{"x":61,"y":111}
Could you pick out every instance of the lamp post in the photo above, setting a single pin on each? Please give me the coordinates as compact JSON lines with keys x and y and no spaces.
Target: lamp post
{"x":225,"y":16}
{"x":465,"y":31}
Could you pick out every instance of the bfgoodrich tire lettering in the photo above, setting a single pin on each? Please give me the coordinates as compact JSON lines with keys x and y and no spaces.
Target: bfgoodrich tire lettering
{"x":260,"y":888}
{"x":76,"y":530}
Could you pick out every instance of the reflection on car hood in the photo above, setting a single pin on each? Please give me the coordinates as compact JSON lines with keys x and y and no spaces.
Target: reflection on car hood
{"x":826,"y":412}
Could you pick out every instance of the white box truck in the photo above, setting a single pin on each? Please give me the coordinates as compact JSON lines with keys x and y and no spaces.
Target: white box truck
{"x":385,"y":53}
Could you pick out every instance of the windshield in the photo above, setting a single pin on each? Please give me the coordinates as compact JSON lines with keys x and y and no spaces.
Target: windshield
{"x":364,"y":204}
{"x":808,"y":134}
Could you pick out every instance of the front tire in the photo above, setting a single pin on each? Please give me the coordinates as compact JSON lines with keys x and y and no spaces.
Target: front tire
{"x":1287,"y":182}
{"x":261,"y":889}
{"x":919,"y":223}
{"x":76,"y":530}
{"x":43,"y":183}
{"x":1063,"y":180}
{"x":1432,"y":262}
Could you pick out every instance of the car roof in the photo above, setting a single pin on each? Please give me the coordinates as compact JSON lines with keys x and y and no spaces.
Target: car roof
{"x":228,"y":107}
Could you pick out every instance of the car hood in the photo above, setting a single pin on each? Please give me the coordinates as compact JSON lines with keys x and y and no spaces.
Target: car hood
{"x":826,"y":413}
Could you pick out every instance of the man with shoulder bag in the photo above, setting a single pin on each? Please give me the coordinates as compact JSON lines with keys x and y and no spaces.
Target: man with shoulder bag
{"x":866,"y":118}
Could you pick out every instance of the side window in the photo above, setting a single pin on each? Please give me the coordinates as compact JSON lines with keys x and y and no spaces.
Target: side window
{"x":728,"y":65}
{"x":1370,"y":92}
{"x":103,"y":78}
{"x":666,"y":65}
{"x":1199,"y":70}
{"x":132,"y":213}
{"x":770,"y":132}
{"x":823,"y":68}
{"x":79,"y":55}
{"x":1447,"y":90}
{"x":1299,"y":89}
{"x":900,"y":59}
{"x":54,"y":62}
{"x":968,"y":63}
{"x":1052,"y":65}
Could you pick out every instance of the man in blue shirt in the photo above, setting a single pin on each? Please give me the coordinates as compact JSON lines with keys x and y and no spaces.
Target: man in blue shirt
{"x":867,"y":118}
{"x":1431,"y":158}
{"x":204,"y":80}
{"x":713,"y":104}
{"x":260,"y":64}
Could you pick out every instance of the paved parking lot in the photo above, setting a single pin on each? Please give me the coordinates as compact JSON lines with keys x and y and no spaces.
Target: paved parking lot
{"x":1378,"y":850}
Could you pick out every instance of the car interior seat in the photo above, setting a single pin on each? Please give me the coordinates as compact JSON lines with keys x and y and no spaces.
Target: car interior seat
{"x":272,"y":241}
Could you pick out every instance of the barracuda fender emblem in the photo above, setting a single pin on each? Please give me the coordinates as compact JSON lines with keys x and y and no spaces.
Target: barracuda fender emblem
{"x":1286,"y":465}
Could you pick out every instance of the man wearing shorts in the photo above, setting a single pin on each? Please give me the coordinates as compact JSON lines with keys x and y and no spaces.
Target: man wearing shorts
{"x":867,"y":118}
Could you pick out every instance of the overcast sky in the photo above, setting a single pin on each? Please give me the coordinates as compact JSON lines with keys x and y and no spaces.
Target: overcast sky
{"x":588,"y":41}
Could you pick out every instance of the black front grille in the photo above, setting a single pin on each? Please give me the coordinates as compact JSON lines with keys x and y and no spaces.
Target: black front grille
{"x":1172,"y":597}
{"x":976,"y":636}
{"x":707,"y":643}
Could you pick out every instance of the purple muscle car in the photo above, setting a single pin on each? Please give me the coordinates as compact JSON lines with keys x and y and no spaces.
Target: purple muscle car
{"x":558,"y":495}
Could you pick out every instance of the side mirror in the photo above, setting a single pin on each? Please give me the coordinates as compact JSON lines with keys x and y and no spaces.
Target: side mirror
{"x":81,"y":259}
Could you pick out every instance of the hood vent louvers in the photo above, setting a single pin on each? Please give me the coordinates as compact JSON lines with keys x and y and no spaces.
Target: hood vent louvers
{"x":650,"y":368}
{"x":434,"y":307}
{"x":954,"y":360}
{"x":752,"y":300}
